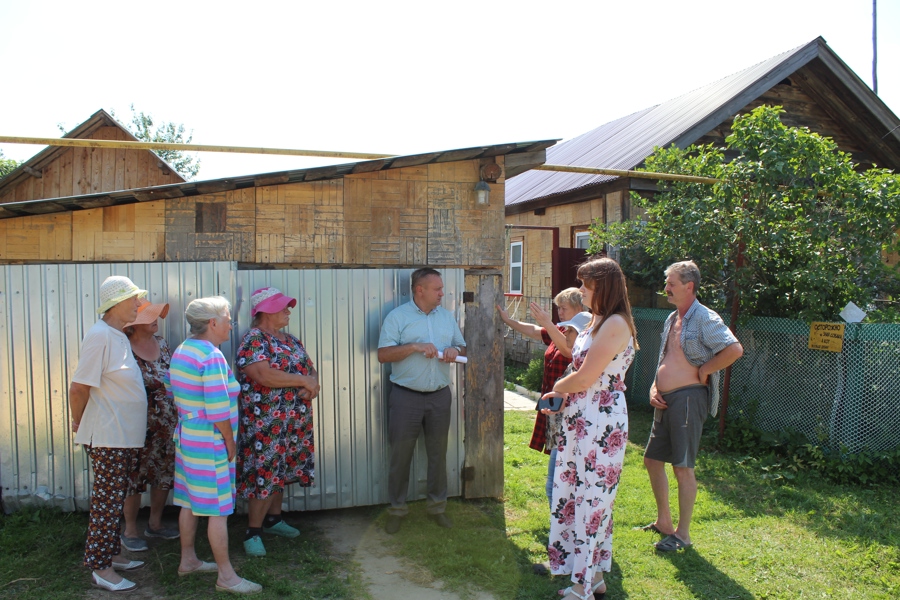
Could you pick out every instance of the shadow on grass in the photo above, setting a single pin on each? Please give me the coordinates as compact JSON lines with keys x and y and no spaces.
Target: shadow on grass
{"x":476,"y":549}
{"x":42,"y":551}
{"x":702,"y":578}
{"x":756,"y":487}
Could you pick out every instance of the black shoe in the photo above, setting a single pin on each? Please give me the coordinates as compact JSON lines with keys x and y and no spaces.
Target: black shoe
{"x":541,"y":568}
{"x":441,"y":520}
{"x":393,"y":524}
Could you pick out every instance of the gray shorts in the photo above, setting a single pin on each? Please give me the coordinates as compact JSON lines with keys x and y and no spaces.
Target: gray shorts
{"x":675,"y":435}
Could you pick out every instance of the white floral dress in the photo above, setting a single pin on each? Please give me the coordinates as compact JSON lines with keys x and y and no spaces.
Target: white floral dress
{"x":588,"y":466}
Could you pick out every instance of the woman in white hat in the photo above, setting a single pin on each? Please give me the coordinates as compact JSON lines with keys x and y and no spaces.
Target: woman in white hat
{"x":278,"y":384}
{"x":109,"y":417}
{"x":156,"y":467}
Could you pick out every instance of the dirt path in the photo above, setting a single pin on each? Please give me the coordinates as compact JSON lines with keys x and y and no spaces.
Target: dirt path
{"x":387,"y":577}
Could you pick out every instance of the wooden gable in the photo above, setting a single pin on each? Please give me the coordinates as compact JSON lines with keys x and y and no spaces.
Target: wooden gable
{"x":59,"y":172}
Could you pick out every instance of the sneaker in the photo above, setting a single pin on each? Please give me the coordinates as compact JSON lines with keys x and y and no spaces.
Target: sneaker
{"x":393,"y":524}
{"x":254,"y":546}
{"x":166,"y":533}
{"x":441,"y":520}
{"x":134,"y":544}
{"x":283,"y":529}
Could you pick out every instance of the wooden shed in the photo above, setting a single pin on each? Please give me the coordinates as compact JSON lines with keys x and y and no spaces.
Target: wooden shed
{"x":355,"y":230}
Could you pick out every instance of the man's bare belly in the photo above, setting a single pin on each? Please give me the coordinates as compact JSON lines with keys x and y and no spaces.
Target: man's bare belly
{"x":675,"y":371}
{"x":671,"y":377}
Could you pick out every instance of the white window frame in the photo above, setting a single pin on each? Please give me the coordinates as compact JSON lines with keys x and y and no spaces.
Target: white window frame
{"x":520,"y":265}
{"x":585,"y":235}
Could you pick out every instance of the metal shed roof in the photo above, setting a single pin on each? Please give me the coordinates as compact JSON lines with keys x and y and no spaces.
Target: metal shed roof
{"x":521,"y":157}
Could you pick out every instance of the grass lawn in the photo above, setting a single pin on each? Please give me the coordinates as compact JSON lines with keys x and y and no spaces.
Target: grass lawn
{"x":41,"y":553}
{"x":754,"y":536}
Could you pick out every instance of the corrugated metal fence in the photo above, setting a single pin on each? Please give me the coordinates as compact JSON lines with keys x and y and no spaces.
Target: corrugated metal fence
{"x":45,"y":310}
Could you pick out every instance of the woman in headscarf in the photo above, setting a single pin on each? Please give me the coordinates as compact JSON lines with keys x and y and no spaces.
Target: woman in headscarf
{"x":109,"y":417}
{"x":278,"y":384}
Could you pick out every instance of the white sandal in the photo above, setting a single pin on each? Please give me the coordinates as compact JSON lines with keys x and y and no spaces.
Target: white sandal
{"x":587,"y":596}
{"x":569,"y":590}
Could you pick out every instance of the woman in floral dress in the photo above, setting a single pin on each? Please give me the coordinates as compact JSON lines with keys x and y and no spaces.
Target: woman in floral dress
{"x":157,"y":461}
{"x":595,"y":418}
{"x":278,"y":384}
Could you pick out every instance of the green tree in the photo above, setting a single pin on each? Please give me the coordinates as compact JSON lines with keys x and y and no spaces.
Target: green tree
{"x":144,"y":128}
{"x":810,"y":230}
{"x":7,"y":165}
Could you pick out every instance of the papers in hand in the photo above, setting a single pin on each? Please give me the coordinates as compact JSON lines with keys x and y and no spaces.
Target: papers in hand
{"x":460,"y":359}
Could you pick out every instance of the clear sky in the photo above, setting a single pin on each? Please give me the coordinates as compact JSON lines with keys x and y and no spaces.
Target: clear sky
{"x":397,"y":76}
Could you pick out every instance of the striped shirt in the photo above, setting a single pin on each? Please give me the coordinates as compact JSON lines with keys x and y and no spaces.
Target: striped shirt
{"x":703,"y":335}
{"x":407,"y":324}
{"x":205,"y":392}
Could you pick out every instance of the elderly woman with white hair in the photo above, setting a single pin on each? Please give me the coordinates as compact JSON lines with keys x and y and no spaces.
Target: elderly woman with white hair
{"x":109,"y":418}
{"x":205,"y":392}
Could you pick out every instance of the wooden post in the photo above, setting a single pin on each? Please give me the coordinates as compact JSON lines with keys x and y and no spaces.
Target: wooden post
{"x":483,"y":468}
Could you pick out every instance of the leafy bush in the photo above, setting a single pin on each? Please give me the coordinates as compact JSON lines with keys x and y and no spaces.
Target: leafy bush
{"x":783,"y":454}
{"x":529,"y":377}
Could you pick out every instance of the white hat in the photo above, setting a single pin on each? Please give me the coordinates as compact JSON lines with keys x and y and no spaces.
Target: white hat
{"x":578,"y":322}
{"x":116,"y":288}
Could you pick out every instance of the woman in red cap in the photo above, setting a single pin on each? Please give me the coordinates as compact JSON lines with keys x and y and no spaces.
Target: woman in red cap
{"x":275,"y":439}
{"x":157,"y":462}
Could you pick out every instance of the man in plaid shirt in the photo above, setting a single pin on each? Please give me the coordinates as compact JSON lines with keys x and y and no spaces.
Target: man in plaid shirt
{"x":695,"y":346}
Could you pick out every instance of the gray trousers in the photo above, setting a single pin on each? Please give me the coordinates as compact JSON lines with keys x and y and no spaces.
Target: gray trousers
{"x":409,"y":413}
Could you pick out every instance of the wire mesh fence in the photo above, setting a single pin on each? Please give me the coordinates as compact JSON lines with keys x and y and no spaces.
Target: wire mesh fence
{"x":848,"y":400}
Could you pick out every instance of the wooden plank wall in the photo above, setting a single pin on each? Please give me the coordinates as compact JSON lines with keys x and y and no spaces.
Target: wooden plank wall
{"x":411,"y":216}
{"x":78,"y":171}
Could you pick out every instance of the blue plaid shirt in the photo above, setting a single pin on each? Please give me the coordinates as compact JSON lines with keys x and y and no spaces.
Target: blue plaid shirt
{"x":703,"y":335}
{"x":407,"y":324}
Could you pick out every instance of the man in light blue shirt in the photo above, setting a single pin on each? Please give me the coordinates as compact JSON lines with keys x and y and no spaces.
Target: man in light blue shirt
{"x":411,"y":337}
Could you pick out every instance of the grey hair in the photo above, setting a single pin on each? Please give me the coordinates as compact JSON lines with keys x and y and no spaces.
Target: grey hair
{"x":687,"y":271}
{"x":201,"y":310}
{"x":571,"y":296}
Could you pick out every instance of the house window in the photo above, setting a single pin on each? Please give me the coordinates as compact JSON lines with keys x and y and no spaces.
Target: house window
{"x":515,"y":268}
{"x":582,"y":239}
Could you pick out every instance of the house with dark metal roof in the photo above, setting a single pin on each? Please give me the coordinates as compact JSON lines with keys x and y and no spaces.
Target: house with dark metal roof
{"x":814,"y":86}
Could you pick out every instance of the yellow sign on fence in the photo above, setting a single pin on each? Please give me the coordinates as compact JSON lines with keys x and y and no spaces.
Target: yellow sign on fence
{"x":826,"y":336}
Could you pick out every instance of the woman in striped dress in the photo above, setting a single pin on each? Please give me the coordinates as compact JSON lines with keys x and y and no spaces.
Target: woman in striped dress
{"x":205,"y":394}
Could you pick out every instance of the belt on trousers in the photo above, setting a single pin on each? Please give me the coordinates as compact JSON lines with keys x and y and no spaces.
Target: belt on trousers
{"x":404,"y":388}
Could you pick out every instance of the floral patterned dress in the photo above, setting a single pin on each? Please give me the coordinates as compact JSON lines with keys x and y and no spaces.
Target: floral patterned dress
{"x":275,"y":439}
{"x":157,"y":462}
{"x":588,"y":465}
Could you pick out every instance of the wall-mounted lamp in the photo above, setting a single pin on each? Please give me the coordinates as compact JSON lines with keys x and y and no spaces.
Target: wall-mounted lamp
{"x":482,"y":193}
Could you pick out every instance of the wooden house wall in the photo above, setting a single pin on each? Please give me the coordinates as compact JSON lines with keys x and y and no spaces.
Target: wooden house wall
{"x":398,"y":217}
{"x":801,"y":110}
{"x":78,"y":171}
{"x":538,"y":244}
